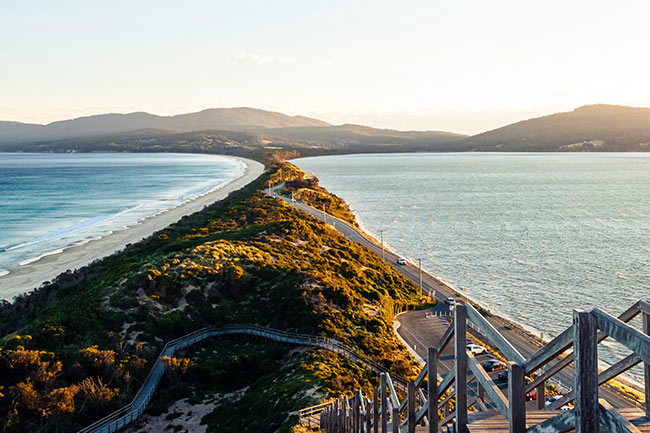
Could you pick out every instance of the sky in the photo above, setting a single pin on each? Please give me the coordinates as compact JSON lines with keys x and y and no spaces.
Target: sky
{"x":462,"y":66}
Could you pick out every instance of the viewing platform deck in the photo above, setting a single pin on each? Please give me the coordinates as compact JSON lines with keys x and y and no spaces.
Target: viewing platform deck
{"x":494,"y":422}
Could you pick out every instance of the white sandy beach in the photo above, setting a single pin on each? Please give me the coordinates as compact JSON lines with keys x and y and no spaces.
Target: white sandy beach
{"x":25,"y":278}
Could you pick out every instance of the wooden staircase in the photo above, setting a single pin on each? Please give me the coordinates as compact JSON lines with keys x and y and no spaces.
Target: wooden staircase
{"x":493,"y":422}
{"x":427,"y":406}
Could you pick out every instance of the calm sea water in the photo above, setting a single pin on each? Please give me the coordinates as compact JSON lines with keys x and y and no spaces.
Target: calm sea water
{"x":531,"y":236}
{"x":51,"y":201}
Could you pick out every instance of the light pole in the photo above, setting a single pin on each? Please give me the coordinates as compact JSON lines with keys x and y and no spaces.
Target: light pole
{"x":324,"y":214}
{"x":381,"y":234}
{"x":420,"y":269}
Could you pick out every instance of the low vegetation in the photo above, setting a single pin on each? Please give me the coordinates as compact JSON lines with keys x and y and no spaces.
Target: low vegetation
{"x":79,"y":347}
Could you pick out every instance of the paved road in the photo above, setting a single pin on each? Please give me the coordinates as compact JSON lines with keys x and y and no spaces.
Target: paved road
{"x":414,"y":327}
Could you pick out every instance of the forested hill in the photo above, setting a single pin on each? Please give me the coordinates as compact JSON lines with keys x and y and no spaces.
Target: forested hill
{"x":611,"y":128}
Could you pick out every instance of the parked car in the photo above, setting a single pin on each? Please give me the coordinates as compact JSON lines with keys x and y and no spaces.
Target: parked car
{"x":503,"y":375}
{"x":532,"y":395}
{"x":451,"y":301}
{"x":401,"y":261}
{"x":553,"y":399}
{"x":493,"y":365}
{"x":476,"y":349}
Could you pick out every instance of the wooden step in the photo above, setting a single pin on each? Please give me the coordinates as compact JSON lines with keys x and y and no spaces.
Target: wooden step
{"x":494,"y":422}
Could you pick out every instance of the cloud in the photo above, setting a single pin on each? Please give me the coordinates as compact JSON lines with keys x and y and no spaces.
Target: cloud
{"x":326,"y":63}
{"x":259,"y":59}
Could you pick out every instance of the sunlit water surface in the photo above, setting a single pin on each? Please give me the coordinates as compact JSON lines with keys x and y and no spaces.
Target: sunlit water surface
{"x":51,"y":201}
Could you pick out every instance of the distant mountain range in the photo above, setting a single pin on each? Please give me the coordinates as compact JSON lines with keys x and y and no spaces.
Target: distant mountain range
{"x":231,"y":119}
{"x":611,"y":128}
{"x":242,"y":130}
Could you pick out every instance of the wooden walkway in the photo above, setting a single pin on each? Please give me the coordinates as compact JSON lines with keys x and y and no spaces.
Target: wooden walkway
{"x":494,"y":422}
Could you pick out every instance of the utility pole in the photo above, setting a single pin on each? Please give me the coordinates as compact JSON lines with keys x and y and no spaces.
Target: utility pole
{"x":381,"y":233}
{"x":324,"y":214}
{"x":420,"y":269}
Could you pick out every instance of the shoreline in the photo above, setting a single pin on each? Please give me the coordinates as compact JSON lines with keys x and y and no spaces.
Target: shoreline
{"x":25,"y":278}
{"x":520,"y":328}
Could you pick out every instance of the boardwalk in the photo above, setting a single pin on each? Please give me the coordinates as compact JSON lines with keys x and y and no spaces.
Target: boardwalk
{"x":494,"y":422}
{"x":472,"y":414}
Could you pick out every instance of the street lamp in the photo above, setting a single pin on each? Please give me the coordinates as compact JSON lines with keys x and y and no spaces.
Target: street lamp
{"x":420,"y":271}
{"x":381,"y":234}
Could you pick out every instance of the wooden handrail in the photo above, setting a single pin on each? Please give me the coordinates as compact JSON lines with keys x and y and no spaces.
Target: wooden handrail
{"x":595,"y":326}
{"x":494,"y":336}
{"x":134,"y":409}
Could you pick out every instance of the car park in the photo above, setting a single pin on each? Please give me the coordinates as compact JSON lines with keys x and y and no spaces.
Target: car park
{"x":476,"y":349}
{"x":493,"y":365}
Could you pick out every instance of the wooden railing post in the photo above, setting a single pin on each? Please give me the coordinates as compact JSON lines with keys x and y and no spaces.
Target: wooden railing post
{"x":335,"y":417}
{"x":395,"y":420}
{"x":645,"y":317}
{"x":355,"y":414}
{"x":516,"y":398}
{"x":432,"y":389}
{"x":541,"y":395}
{"x":348,"y":415}
{"x":585,"y":375}
{"x":375,"y":411}
{"x":384,"y":404}
{"x":460,"y":343}
{"x":363,"y":408}
{"x":368,"y":419}
{"x":410,"y":415}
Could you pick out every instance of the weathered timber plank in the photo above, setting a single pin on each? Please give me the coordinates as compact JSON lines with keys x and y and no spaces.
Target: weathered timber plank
{"x":446,"y":338}
{"x":516,"y":398}
{"x":633,"y":339}
{"x":625,"y":316}
{"x":460,"y":352}
{"x":432,"y":385}
{"x":620,"y":367}
{"x":613,"y":420}
{"x":585,"y":378}
{"x":494,"y":336}
{"x":550,"y":351}
{"x":488,"y":385}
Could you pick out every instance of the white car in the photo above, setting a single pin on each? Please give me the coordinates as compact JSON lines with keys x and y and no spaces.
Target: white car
{"x":401,"y":261}
{"x":554,"y":399}
{"x":476,"y":349}
{"x":451,"y":301}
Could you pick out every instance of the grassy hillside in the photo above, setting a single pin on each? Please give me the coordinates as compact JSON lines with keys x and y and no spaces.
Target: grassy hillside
{"x":599,"y":128}
{"x":79,"y":347}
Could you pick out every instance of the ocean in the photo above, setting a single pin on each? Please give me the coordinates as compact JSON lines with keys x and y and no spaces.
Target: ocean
{"x":529,"y":236}
{"x":51,"y":201}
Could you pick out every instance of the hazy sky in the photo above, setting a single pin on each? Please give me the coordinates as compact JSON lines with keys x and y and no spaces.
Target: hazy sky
{"x":463,"y":66}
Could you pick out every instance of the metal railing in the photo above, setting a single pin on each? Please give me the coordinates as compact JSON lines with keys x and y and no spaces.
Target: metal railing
{"x":133,"y":410}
